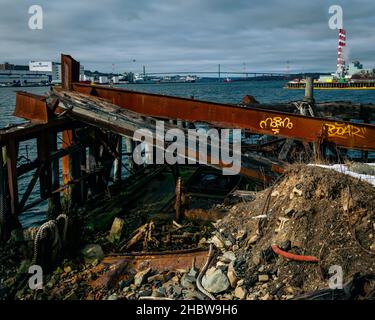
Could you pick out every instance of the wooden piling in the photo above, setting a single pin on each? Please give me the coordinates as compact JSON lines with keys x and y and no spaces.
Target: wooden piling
{"x":90,"y":168}
{"x":54,"y":202}
{"x":12,"y":155}
{"x":45,"y":178}
{"x":117,"y":165}
{"x":129,"y":144}
{"x":71,"y":172}
{"x":82,"y":171}
{"x":3,"y":196}
{"x":309,"y":90}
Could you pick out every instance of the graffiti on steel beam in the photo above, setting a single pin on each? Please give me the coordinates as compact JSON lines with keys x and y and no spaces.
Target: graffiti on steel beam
{"x":276,"y":123}
{"x":344,"y":130}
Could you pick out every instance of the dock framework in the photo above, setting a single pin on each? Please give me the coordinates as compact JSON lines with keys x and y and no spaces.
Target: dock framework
{"x":79,"y":128}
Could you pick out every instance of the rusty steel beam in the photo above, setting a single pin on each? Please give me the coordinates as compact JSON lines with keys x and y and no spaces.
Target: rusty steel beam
{"x":32,"y":107}
{"x":98,"y":112}
{"x":344,"y":134}
{"x":121,"y":264}
{"x":69,"y":71}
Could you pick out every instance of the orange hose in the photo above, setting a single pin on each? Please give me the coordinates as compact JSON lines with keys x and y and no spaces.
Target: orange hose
{"x":292,"y":256}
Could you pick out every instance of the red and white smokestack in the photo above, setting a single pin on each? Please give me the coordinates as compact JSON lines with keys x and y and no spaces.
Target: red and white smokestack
{"x":340,"y":52}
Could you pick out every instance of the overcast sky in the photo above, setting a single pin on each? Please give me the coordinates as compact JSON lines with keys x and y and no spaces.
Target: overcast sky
{"x":188,"y":35}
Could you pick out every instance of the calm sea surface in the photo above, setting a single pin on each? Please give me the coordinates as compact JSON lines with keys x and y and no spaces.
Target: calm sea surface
{"x":233,"y":92}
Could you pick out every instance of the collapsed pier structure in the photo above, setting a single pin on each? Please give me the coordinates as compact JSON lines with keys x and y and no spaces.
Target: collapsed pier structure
{"x":79,"y":131}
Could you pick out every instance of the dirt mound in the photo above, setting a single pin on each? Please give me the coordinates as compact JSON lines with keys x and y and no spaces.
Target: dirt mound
{"x":309,"y":211}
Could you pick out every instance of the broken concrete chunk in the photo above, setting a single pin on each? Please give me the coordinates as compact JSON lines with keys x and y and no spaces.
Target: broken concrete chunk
{"x":188,"y":281}
{"x":193,"y":272}
{"x":156,"y":277}
{"x":240,"y":283}
{"x":227,"y":257}
{"x":263,"y":278}
{"x":215,"y":281}
{"x":141,"y":276}
{"x":256,"y":260}
{"x":113,"y":297}
{"x":217,"y":242}
{"x":232,"y":276}
{"x":221,"y":265}
{"x":240,"y":293}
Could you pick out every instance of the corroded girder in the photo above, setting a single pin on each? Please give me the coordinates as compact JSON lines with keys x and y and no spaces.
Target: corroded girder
{"x":344,"y":134}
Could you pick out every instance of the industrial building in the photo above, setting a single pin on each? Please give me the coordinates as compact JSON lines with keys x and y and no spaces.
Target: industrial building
{"x":36,"y":73}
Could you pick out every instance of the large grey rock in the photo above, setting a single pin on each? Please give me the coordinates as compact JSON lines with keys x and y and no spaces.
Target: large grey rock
{"x":188,"y":281}
{"x":92,"y":252}
{"x":215,"y":281}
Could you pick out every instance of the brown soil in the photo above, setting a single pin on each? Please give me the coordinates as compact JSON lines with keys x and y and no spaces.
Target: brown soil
{"x":331,"y":216}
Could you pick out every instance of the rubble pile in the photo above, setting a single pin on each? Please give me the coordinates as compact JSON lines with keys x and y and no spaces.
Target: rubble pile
{"x":281,"y":243}
{"x":311,"y":212}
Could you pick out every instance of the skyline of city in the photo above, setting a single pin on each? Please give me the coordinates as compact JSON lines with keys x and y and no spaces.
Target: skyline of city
{"x":176,"y":35}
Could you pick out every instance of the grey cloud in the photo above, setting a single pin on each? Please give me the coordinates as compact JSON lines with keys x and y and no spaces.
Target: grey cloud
{"x":187,"y":35}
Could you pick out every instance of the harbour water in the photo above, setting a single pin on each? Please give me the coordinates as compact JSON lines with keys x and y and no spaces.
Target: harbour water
{"x":231,"y":92}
